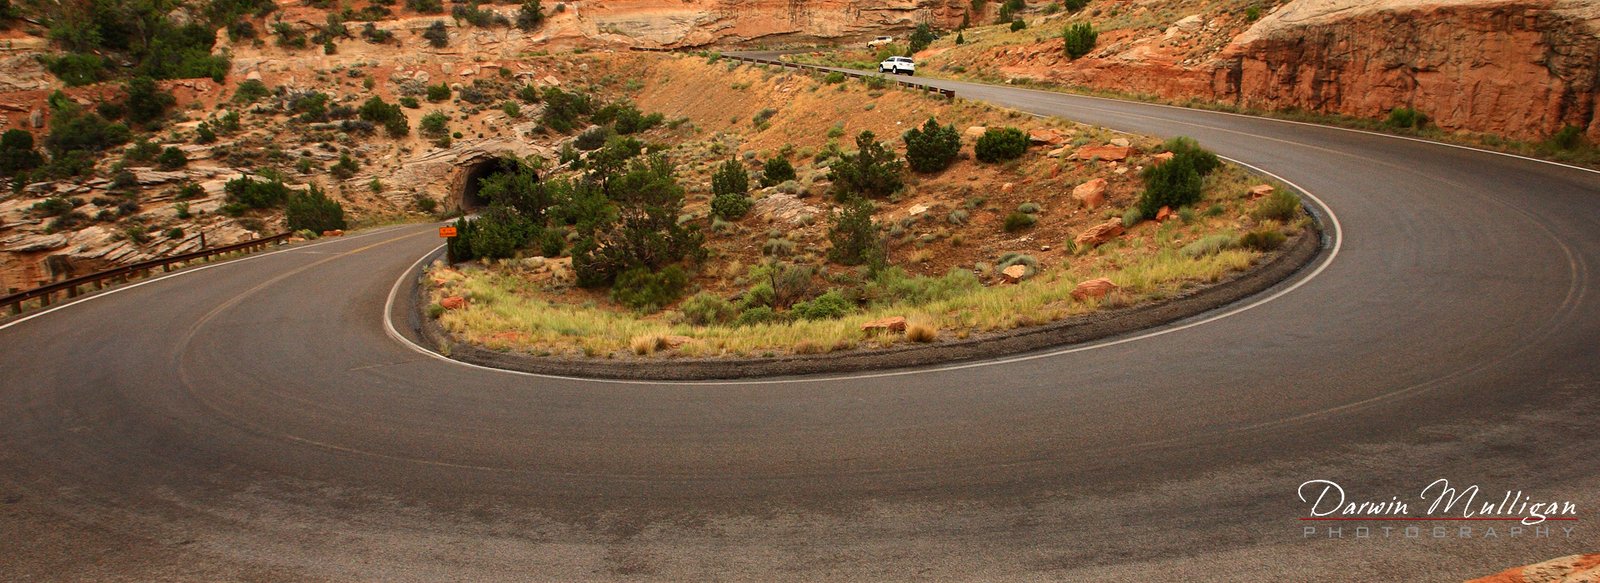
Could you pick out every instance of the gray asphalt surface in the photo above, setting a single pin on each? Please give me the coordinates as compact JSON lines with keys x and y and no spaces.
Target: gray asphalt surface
{"x":254,"y":421}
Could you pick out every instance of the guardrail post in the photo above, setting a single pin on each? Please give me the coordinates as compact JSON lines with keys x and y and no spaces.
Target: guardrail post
{"x":72,"y":292}
{"x":44,"y":300}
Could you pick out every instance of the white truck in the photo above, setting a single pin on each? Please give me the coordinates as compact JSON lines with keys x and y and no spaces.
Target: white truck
{"x":897,"y":66}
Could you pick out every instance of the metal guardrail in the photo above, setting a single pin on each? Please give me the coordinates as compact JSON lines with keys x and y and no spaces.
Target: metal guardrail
{"x":72,"y":286}
{"x":947,"y":93}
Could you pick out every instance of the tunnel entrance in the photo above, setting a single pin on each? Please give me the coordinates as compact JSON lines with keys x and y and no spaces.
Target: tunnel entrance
{"x":469,"y":200}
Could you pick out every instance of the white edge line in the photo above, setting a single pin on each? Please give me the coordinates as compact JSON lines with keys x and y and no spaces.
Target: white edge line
{"x":1333,"y":219}
{"x":189,"y":270}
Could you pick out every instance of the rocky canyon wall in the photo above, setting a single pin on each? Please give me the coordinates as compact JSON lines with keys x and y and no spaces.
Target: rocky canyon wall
{"x":1517,"y":68}
{"x":679,"y":23}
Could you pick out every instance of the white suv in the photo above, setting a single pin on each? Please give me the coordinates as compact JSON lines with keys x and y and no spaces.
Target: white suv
{"x":898,"y":65}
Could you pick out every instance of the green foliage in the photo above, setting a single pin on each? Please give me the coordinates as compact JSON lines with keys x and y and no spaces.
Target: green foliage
{"x":54,"y":206}
{"x":438,"y":36}
{"x":530,"y":16}
{"x":754,"y":315}
{"x":77,"y":69}
{"x":920,"y":38}
{"x":1173,"y":184}
{"x":1262,"y":239}
{"x":498,"y":233}
{"x":776,"y":170}
{"x":1406,"y":118}
{"x":17,"y":153}
{"x":312,"y":106}
{"x":459,"y":247}
{"x":1281,"y":205}
{"x":708,"y":309}
{"x":72,"y":129}
{"x":313,"y":211}
{"x":1018,"y":24}
{"x":933,"y":147}
{"x":478,"y":17}
{"x":961,"y":39}
{"x":435,"y":125}
{"x":425,"y":6}
{"x":389,"y":116}
{"x":346,"y":167}
{"x":730,"y":178}
{"x":203,"y":134}
{"x":1203,"y":160}
{"x":592,"y":139}
{"x":872,"y":171}
{"x":1569,"y":138}
{"x":511,"y":109}
{"x":528,"y":93}
{"x":646,"y":232}
{"x":831,"y":305}
{"x":1208,"y":245}
{"x":440,"y":92}
{"x":250,"y":91}
{"x":409,"y":102}
{"x":145,"y":102}
{"x":1074,"y":5}
{"x":854,"y":236}
{"x":1019,"y":221}
{"x":646,"y":290}
{"x":251,"y":193}
{"x":1252,"y":13}
{"x":893,"y":286}
{"x":562,"y":109}
{"x":172,"y":158}
{"x":1001,"y":144}
{"x":1078,"y":39}
{"x":833,"y":78}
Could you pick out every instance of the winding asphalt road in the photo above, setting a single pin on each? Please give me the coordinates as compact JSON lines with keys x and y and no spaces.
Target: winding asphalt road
{"x":254,"y":420}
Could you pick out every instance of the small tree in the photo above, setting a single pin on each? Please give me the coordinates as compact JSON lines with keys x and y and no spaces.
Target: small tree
{"x":438,"y":36}
{"x":854,"y":236}
{"x":933,"y":147}
{"x":730,"y":186}
{"x":146,"y":103}
{"x":920,"y":38}
{"x":776,"y":170}
{"x":17,"y":153}
{"x":1001,"y":144}
{"x":172,"y":159}
{"x":960,"y":39}
{"x":1079,"y":39}
{"x":388,"y":115}
{"x":530,"y":16}
{"x":872,"y":171}
{"x":1173,"y":184}
{"x":311,"y":210}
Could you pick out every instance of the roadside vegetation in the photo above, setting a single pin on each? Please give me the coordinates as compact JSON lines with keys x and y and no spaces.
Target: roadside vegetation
{"x":760,"y":232}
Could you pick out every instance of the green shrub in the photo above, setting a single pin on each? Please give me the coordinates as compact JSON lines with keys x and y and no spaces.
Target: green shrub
{"x":958,"y":217}
{"x":71,"y":129}
{"x":17,"y":153}
{"x":707,"y":309}
{"x":498,"y":234}
{"x":1263,"y":239}
{"x":1203,"y":160}
{"x":562,"y":109}
{"x":1028,"y":262}
{"x":172,"y":158}
{"x":1018,"y":221}
{"x":1208,"y":245}
{"x":76,"y":69}
{"x":251,"y":193}
{"x":1281,"y":205}
{"x":592,"y":138}
{"x":1406,"y":118}
{"x":642,"y":231}
{"x":1074,"y":5}
{"x":645,"y":290}
{"x":920,"y":38}
{"x":776,"y":170}
{"x":459,"y":247}
{"x":933,"y":147}
{"x":1173,"y":184}
{"x":761,"y":118}
{"x":831,"y":305}
{"x":833,"y":78}
{"x":54,"y":206}
{"x":409,"y":102}
{"x":1018,"y":24}
{"x":313,"y":211}
{"x":1252,"y":13}
{"x":754,"y":315}
{"x":346,"y":167}
{"x":425,"y":6}
{"x":393,"y":120}
{"x":872,"y":171}
{"x":1078,"y":39}
{"x":203,"y":134}
{"x":730,"y":206}
{"x":893,"y":286}
{"x":1001,"y":144}
{"x":1028,"y":207}
{"x":250,"y":91}
{"x":438,"y":36}
{"x":511,"y":109}
{"x":730,"y":178}
{"x":530,"y":16}
{"x":854,"y":236}
{"x":440,"y":92}
{"x":961,"y":39}
{"x":435,"y":125}
{"x":1569,"y":138}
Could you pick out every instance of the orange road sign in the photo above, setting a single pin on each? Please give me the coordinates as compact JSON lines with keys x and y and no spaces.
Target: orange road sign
{"x":447,"y":232}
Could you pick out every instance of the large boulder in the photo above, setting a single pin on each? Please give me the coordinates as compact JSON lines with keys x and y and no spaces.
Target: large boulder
{"x":1106,"y":153}
{"x":890,"y":324}
{"x":1091,"y":194}
{"x":1094,"y":288}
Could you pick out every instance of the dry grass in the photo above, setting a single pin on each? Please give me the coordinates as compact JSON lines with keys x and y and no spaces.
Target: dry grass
{"x":921,"y":333}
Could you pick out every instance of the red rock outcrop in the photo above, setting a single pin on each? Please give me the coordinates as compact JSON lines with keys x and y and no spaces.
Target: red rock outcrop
{"x":1569,"y":569}
{"x":700,"y":22}
{"x":1518,"y":68}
